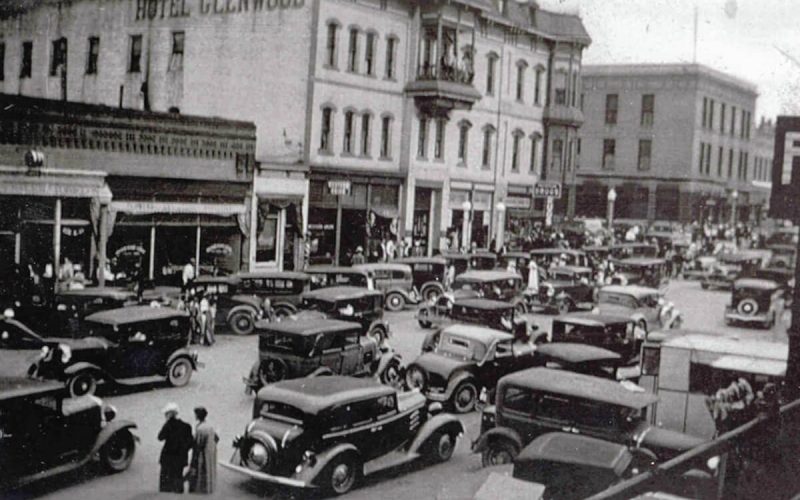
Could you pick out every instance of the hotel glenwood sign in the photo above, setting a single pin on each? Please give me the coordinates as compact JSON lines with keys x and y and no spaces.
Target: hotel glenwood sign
{"x":161,"y":9}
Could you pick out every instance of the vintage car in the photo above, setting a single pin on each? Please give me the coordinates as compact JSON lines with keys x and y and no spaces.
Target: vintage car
{"x":780,"y":275}
{"x":348,"y":303}
{"x":293,"y":349}
{"x":731,"y":266}
{"x":460,"y":261}
{"x":482,"y":260}
{"x":466,"y":360}
{"x":783,"y":255}
{"x":516,"y":260}
{"x":131,"y":345}
{"x":644,"y":271}
{"x":544,"y":256}
{"x":579,"y":358}
{"x":645,"y":306}
{"x":395,"y":281}
{"x":70,"y":307}
{"x":566,"y":288}
{"x":494,"y":285}
{"x":755,"y":301}
{"x":536,"y":401}
{"x":238,"y":312}
{"x":428,"y":274}
{"x":632,"y":250}
{"x":328,"y":432}
{"x":617,"y":333}
{"x":16,"y":335}
{"x":284,"y":289}
{"x":329,"y":276}
{"x":44,"y":433}
{"x":699,"y":267}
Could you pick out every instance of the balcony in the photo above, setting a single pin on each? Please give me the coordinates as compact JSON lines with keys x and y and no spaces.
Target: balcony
{"x":561,"y":114}
{"x":439,"y":89}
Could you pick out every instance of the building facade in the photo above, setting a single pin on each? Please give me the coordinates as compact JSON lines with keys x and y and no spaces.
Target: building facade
{"x":377,"y":120}
{"x":676,"y":141}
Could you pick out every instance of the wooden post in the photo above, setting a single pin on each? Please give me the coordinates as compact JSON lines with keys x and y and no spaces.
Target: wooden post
{"x":197,"y":250}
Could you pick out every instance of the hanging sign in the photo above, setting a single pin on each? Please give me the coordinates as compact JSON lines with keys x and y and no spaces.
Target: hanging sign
{"x":339,"y":188}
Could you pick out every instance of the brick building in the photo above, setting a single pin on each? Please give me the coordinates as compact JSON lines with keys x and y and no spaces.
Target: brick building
{"x":676,"y":141}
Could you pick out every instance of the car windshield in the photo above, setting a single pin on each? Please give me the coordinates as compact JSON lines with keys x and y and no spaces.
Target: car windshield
{"x":459,"y":347}
{"x":617,"y":299}
{"x":284,"y":342}
{"x":319,"y":305}
{"x":280,"y":411}
{"x":339,"y":279}
{"x":563,"y":332}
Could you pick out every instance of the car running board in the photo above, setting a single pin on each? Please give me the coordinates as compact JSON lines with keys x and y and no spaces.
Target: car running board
{"x":139,"y":380}
{"x":66,"y":467}
{"x":393,"y":459}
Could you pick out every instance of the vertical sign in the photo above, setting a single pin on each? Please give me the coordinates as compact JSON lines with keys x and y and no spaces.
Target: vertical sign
{"x":548,"y":212}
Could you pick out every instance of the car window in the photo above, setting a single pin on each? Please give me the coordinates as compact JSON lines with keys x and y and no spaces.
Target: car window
{"x":283,"y":412}
{"x":519,"y":400}
{"x":617,"y":299}
{"x":462,"y":348}
{"x":351,"y":339}
{"x":423,"y":267}
{"x":398,"y":275}
{"x":329,"y":342}
{"x":351,"y":415}
{"x":385,"y":406}
{"x":592,"y":414}
{"x":554,"y":407}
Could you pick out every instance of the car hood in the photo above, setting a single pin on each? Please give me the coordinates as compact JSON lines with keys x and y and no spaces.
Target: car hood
{"x":614,"y":309}
{"x":438,"y":364}
{"x":657,"y":438}
{"x":84,"y":344}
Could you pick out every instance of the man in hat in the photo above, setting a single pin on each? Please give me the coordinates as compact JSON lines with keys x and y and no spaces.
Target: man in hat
{"x":177,"y":437}
{"x":359,"y":258}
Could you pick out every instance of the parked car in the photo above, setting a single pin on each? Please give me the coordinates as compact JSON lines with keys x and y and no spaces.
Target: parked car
{"x":536,"y":401}
{"x":482,"y":260}
{"x":328,"y":432}
{"x":396,"y":281}
{"x":783,"y":255}
{"x":16,"y":335}
{"x":518,"y":260}
{"x":645,"y":306}
{"x":131,"y":345}
{"x":330,"y":276}
{"x":617,"y":333}
{"x":731,"y":266}
{"x":644,"y":271}
{"x":284,"y":289}
{"x":566,"y":288}
{"x":633,"y":250}
{"x":349,"y":303}
{"x":466,"y":360}
{"x":293,"y":349}
{"x":44,"y":433}
{"x":756,"y":301}
{"x":428,"y":274}
{"x":494,"y":285}
{"x":70,"y":307}
{"x":238,"y":312}
{"x":460,"y":261}
{"x":699,"y":267}
{"x":580,"y":358}
{"x":544,"y":256}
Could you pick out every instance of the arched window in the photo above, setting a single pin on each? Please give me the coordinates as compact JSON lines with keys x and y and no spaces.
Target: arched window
{"x":463,"y":141}
{"x":349,"y":126}
{"x":538,"y":82}
{"x":422,"y":138}
{"x":522,"y":66}
{"x":491,"y":72}
{"x":370,"y":46}
{"x":386,"y":136}
{"x":366,"y":133}
{"x":352,"y":50}
{"x":326,"y":129}
{"x":391,"y":56}
{"x":535,"y":138}
{"x":488,"y":136}
{"x":331,"y":57}
{"x":515,"y":149}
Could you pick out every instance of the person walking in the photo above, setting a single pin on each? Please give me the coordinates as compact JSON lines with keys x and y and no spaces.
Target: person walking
{"x":177,"y":437}
{"x":203,"y":472}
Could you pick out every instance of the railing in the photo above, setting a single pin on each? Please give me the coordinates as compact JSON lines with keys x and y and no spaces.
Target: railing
{"x":446,"y":72}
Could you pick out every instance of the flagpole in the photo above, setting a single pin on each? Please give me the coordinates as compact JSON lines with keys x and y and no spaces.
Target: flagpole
{"x":694,"y":52}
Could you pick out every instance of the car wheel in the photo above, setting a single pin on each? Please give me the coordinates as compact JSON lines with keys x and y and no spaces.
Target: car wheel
{"x":643,"y":325}
{"x":273,"y":370}
{"x":442,"y":445}
{"x":415,"y":378}
{"x":393,"y":374}
{"x":179,"y":372}
{"x":82,"y":384}
{"x":282,"y":313}
{"x":424,"y":313}
{"x":499,"y":452}
{"x":117,"y":454}
{"x":431,"y":294}
{"x":395,"y":302}
{"x":520,"y":308}
{"x":378,"y":333}
{"x":565,"y":306}
{"x":464,"y":397}
{"x":342,"y":475}
{"x":747,"y":307}
{"x":242,"y":322}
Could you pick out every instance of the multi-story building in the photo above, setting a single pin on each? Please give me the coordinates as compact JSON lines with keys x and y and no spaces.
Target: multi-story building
{"x":675,"y":141}
{"x":376,"y":119}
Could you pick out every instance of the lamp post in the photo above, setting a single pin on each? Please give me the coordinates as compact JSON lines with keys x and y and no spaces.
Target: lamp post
{"x":466,"y":206}
{"x":501,"y":224}
{"x":734,"y":197}
{"x":612,"y":197}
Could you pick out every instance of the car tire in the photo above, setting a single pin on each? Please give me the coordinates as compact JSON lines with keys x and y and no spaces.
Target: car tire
{"x":498,"y":452}
{"x":424,"y":313}
{"x":395,"y":302}
{"x":343,"y":472}
{"x":378,"y":333}
{"x":272,"y":370}
{"x":179,"y":372}
{"x":441,"y":446}
{"x":392,"y":375}
{"x":117,"y":453}
{"x":747,"y":307}
{"x":464,"y":397}
{"x":242,"y":322}
{"x":415,"y":378}
{"x":431,"y":293}
{"x":282,"y":313}
{"x":82,"y":384}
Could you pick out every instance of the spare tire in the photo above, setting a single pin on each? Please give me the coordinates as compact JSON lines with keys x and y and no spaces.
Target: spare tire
{"x":747,"y":307}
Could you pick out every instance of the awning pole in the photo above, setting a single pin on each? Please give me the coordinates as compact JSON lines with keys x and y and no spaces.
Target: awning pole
{"x":152,"y":262}
{"x":57,"y":243}
{"x":197,"y":249}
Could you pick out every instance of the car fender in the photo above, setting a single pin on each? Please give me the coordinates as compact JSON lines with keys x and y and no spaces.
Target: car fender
{"x":310,"y":473}
{"x":239,"y":308}
{"x":379,"y":323}
{"x":184,"y":353}
{"x":456,"y":379}
{"x":322,"y":371}
{"x":443,"y":422}
{"x":108,"y":431}
{"x":497,"y":433}
{"x":81,"y":366}
{"x":285,"y":305}
{"x":246,"y":300}
{"x":384,"y":361}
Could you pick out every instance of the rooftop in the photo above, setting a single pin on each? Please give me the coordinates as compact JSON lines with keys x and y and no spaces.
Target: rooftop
{"x":650,"y":69}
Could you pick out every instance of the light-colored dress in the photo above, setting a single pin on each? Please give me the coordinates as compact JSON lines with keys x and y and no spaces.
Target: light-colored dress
{"x":204,"y":459}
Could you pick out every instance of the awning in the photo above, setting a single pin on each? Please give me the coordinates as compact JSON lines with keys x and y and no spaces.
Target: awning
{"x":53,"y":183}
{"x":169,"y":207}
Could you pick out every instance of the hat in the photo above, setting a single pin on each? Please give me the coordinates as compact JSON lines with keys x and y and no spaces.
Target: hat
{"x":359,"y":249}
{"x":170,"y":407}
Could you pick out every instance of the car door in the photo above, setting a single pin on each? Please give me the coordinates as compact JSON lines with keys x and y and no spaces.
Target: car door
{"x":501,"y":363}
{"x":135,"y":351}
{"x":328,"y":349}
{"x":352,"y":353}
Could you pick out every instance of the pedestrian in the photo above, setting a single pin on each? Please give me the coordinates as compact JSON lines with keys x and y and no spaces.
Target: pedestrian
{"x":359,"y":258}
{"x":203,"y":473}
{"x":177,"y":437}
{"x":189,"y":273}
{"x":208,"y":324}
{"x":533,"y":276}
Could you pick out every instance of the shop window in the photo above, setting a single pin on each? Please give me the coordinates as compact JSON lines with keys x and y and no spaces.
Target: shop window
{"x":135,"y":59}
{"x":176,"y":59}
{"x":612,"y":105}
{"x":391,"y":49}
{"x":463,"y":142}
{"x":2,"y":61}
{"x":349,"y":119}
{"x":330,"y":45}
{"x":27,"y":60}
{"x":486,"y":157}
{"x":369,"y":54}
{"x":438,"y":145}
{"x":515,"y":146}
{"x":366,"y":120}
{"x":609,"y":153}
{"x":645,"y":147}
{"x":422,"y":139}
{"x":352,"y":51}
{"x":92,"y":55}
{"x":326,"y":131}
{"x":648,"y":109}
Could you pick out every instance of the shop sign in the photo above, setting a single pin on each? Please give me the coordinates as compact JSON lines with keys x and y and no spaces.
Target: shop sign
{"x":457,"y":198}
{"x":160,"y":9}
{"x":130,"y":250}
{"x":220,"y":249}
{"x":482,"y":201}
{"x":73,"y":231}
{"x":320,"y":227}
{"x":166,"y":207}
{"x":547,"y":189}
{"x":518,"y":202}
{"x":339,"y":188}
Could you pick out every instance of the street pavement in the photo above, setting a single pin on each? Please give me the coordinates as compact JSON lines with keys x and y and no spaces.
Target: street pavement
{"x":218,"y":386}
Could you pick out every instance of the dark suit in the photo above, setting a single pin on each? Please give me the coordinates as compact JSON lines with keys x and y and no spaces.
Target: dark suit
{"x":178,"y":440}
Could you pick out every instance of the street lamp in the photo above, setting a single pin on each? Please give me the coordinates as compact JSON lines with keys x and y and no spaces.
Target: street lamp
{"x":734,"y":197}
{"x":612,"y":197}
{"x":466,"y":205}
{"x":501,"y":224}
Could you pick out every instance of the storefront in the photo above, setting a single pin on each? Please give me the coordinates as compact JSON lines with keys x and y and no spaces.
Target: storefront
{"x":470,"y":215}
{"x":518,"y":214}
{"x":426,"y":224}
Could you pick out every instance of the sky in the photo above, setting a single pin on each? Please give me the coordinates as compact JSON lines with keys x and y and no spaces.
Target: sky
{"x":739,"y":37}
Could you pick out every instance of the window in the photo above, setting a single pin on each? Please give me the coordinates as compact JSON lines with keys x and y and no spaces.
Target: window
{"x":2,"y":62}
{"x":369,"y":55}
{"x":517,"y":139}
{"x":58,"y":58}
{"x":92,"y":55}
{"x":463,"y":142}
{"x":330,"y":45}
{"x":422,"y":138}
{"x":743,"y":128}
{"x":609,"y":152}
{"x":733,"y":121}
{"x":486,"y":157}
{"x":710,"y":113}
{"x":438,"y":145}
{"x":391,"y":44}
{"x":352,"y":51}
{"x":574,"y":88}
{"x":722,"y":117}
{"x":746,"y":166}
{"x":135,"y":61}
{"x":365,"y":135}
{"x":612,"y":104}
{"x":349,"y":118}
{"x":176,"y":59}
{"x":27,"y":60}
{"x":730,"y":164}
{"x":386,"y":136}
{"x":648,"y":109}
{"x":702,"y":156}
{"x":534,"y":152}
{"x":491,"y":67}
{"x":708,"y":159}
{"x":521,"y":66}
{"x":645,"y":151}
{"x":537,"y":89}
{"x":558,"y":152}
{"x":705,"y":112}
{"x":521,"y":401}
{"x":327,"y":130}
{"x":720,"y":157}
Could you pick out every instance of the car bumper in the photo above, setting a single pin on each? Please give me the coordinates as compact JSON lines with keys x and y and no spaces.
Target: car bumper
{"x":269,"y":478}
{"x":732,"y":315}
{"x":438,"y":397}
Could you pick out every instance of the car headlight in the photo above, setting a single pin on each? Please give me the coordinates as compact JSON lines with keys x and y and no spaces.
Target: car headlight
{"x":551,"y":291}
{"x":66,"y":353}
{"x":712,"y":463}
{"x":258,"y":456}
{"x":45,"y":352}
{"x":8,"y":313}
{"x":61,"y":307}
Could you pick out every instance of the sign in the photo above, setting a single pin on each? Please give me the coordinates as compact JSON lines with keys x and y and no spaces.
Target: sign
{"x":169,"y":207}
{"x":161,"y":9}
{"x":785,"y":195}
{"x":547,"y":189}
{"x":482,"y":201}
{"x":339,"y":188}
{"x":548,"y":212}
{"x":523,"y":202}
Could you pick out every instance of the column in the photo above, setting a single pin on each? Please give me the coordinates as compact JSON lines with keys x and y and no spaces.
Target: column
{"x":102,"y":244}
{"x":197,"y":249}
{"x":57,"y":241}
{"x":431,"y":231}
{"x":407,"y":202}
{"x":152,"y":264}
{"x":336,"y":249}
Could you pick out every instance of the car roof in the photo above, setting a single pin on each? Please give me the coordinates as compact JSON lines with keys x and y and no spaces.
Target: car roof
{"x":421,"y":260}
{"x":23,"y":387}
{"x":572,"y":269}
{"x":116,"y":293}
{"x":482,"y":334}
{"x":486,"y":304}
{"x":483,"y":253}
{"x":313,"y":395}
{"x":756,"y":283}
{"x":334,"y":293}
{"x":292,"y":275}
{"x":334,"y":269}
{"x":135,"y":314}
{"x":580,"y":386}
{"x":517,"y":254}
{"x":577,"y":449}
{"x":547,"y":251}
{"x":488,"y":275}
{"x":592,"y":319}
{"x":724,"y":344}
{"x":640,"y":261}
{"x":455,"y":256}
{"x":634,"y":290}
{"x":215,"y":279}
{"x":395,"y":266}
{"x":576,"y":353}
{"x":308,"y":327}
